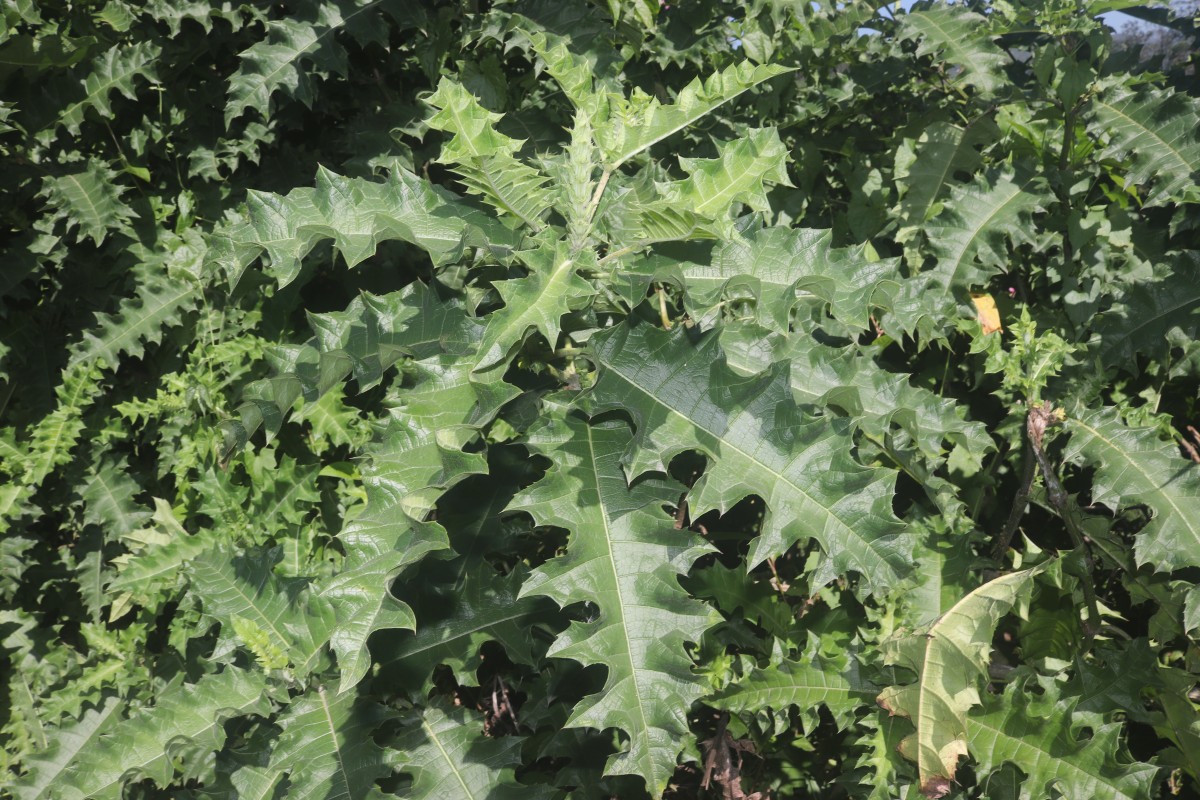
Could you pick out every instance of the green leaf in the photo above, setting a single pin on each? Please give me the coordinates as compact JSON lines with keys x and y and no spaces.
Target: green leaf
{"x":1134,"y":467}
{"x":572,"y":72}
{"x":418,"y":457}
{"x":875,"y":399}
{"x":636,"y":123}
{"x":365,"y":340}
{"x":1154,"y":134}
{"x":449,"y":758}
{"x":774,"y":270}
{"x":623,"y":556}
{"x":961,"y":38}
{"x":485,"y":158}
{"x":159,"y":553}
{"x":970,"y":240}
{"x":281,"y":612}
{"x":326,"y":748}
{"x":56,"y":434}
{"x":141,"y":746}
{"x":108,"y":498}
{"x":333,"y":422}
{"x":1148,"y":316}
{"x":552,"y":288}
{"x":1055,"y":744}
{"x":950,"y":660}
{"x":42,"y":52}
{"x":112,"y":71}
{"x":925,"y":170}
{"x":274,"y":64}
{"x":739,"y":174}
{"x":165,"y":292}
{"x":89,"y":199}
{"x":817,"y":680}
{"x":682,"y":397}
{"x":44,"y":769}
{"x":465,"y":602}
{"x":356,"y":214}
{"x":852,"y":382}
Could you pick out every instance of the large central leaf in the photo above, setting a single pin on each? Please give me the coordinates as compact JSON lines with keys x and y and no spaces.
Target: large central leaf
{"x":682,"y":396}
{"x":624,"y":556}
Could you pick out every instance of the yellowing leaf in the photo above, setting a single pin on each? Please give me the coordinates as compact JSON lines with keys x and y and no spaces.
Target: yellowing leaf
{"x":951,"y":660}
{"x":989,"y":315}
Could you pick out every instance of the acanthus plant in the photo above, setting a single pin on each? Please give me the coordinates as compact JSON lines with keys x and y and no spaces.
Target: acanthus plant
{"x":668,"y":444}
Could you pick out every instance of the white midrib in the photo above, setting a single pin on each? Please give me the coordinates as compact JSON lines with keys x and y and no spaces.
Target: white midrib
{"x":337,"y":750}
{"x":521,"y":322}
{"x":637,"y":689}
{"x":496,"y":190}
{"x":755,"y":461}
{"x":283,"y":641}
{"x":1057,"y":761}
{"x":1150,"y":482}
{"x":433,"y":737}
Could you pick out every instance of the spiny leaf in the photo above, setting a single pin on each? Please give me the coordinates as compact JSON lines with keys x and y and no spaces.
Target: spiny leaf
{"x":165,"y":291}
{"x":1055,"y":744}
{"x":485,"y":158}
{"x":700,"y":205}
{"x":682,"y":396}
{"x":449,"y":758}
{"x":537,"y":301}
{"x":1149,"y":311}
{"x":815,"y":680}
{"x":1134,"y":467}
{"x":1155,"y":134}
{"x":326,"y":749}
{"x":333,"y":422}
{"x":56,"y":434}
{"x":571,"y":71}
{"x":113,"y":71}
{"x":624,"y":556}
{"x":284,"y":611}
{"x":418,"y":457}
{"x":465,"y":602}
{"x":365,"y":340}
{"x":356,"y":214}
{"x":950,"y":660}
{"x":739,"y":174}
{"x":960,"y":37}
{"x":877,"y":399}
{"x":90,"y":199}
{"x":44,"y":769}
{"x":41,"y":52}
{"x":140,"y":745}
{"x":926,"y":169}
{"x":772,"y":270}
{"x":108,"y":498}
{"x":159,"y":553}
{"x":970,"y":241}
{"x":274,"y":64}
{"x":852,"y":382}
{"x":641,"y":121}
{"x":456,"y":618}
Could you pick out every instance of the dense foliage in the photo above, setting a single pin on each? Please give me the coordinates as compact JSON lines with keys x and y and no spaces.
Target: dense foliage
{"x":719,"y":399}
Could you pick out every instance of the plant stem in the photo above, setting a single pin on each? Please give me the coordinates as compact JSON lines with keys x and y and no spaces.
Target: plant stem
{"x":1028,"y":473}
{"x":1039,"y":418}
